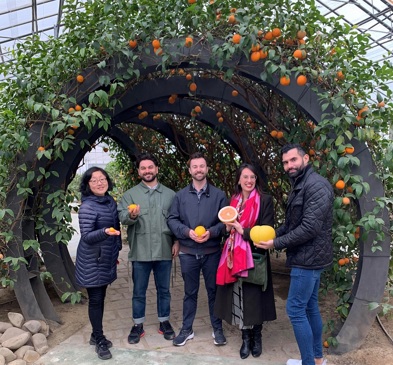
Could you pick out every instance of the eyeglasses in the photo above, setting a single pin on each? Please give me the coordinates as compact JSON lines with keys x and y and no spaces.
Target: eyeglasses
{"x":95,"y":182}
{"x":246,"y":177}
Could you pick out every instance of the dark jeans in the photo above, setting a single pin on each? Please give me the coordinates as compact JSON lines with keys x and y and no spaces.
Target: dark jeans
{"x":140,"y":276}
{"x":96,"y":310}
{"x":191,"y":267}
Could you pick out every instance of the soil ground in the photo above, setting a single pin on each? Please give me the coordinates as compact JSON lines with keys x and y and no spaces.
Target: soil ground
{"x":377,"y":349}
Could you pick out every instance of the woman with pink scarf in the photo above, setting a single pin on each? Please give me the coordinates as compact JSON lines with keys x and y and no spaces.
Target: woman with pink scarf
{"x":237,"y":302}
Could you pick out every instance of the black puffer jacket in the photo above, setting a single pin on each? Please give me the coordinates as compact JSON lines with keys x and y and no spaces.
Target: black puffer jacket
{"x":307,"y":231}
{"x":97,"y":253}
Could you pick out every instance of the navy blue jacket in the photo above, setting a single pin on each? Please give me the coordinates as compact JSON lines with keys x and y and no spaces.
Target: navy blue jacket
{"x":187,"y":212}
{"x":97,"y":253}
{"x":307,"y":231}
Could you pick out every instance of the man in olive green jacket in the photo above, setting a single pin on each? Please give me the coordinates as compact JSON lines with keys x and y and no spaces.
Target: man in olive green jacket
{"x":144,"y":209}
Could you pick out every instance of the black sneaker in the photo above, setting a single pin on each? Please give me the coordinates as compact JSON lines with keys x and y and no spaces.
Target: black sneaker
{"x":219,"y":338}
{"x":136,"y":333}
{"x":183,"y":337}
{"x":166,"y":330}
{"x":102,"y":351}
{"x":92,"y":341}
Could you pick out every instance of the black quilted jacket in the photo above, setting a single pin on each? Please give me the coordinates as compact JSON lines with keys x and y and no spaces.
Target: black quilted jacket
{"x":307,"y":232}
{"x":97,"y":253}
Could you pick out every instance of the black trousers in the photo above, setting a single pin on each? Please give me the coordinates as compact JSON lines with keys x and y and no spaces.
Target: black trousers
{"x":96,"y":310}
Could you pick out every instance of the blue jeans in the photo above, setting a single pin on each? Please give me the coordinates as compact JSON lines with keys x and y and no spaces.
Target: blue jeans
{"x":191,"y":266}
{"x":140,"y":277}
{"x":96,"y":310}
{"x":303,"y":311}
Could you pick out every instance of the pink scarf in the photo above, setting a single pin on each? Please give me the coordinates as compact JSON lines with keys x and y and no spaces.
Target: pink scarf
{"x":236,"y":258}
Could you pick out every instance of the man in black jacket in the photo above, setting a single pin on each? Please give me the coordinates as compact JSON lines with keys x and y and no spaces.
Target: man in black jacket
{"x":198,"y":205}
{"x":307,"y":237}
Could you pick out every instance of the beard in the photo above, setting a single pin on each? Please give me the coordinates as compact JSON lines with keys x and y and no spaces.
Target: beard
{"x":148,"y":177}
{"x":199,"y":177}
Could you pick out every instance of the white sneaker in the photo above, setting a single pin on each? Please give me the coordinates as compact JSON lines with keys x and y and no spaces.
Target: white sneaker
{"x":299,"y":362}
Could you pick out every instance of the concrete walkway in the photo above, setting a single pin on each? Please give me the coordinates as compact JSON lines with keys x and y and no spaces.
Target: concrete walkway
{"x":278,"y":340}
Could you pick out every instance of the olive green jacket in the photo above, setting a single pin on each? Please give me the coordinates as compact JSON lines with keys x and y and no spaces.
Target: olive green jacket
{"x":148,"y":235}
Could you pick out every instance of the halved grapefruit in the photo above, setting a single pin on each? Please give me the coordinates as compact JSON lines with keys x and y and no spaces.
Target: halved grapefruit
{"x":262,"y":233}
{"x":227,"y":214}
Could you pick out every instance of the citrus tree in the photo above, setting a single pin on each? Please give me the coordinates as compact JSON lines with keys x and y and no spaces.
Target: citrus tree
{"x":44,"y":118}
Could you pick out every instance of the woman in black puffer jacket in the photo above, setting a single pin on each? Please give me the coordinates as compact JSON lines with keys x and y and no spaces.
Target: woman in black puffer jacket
{"x":98,"y":249}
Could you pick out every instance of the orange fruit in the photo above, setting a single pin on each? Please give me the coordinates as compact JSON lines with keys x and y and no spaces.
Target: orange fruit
{"x":350,"y":189}
{"x":132,"y":206}
{"x":298,"y":54}
{"x":111,"y":229}
{"x":191,"y":2}
{"x":231,"y":19}
{"x":200,"y":230}
{"x":301,"y":80}
{"x":189,"y":77}
{"x":301,"y":34}
{"x":233,"y":10}
{"x":340,"y":184}
{"x":341,"y":262}
{"x":156,"y":43}
{"x":268,"y":36}
{"x":263,"y":53}
{"x":276,"y":32}
{"x":280,"y":134}
{"x":189,"y":41}
{"x":235,"y":93}
{"x":193,"y":87}
{"x":218,"y":114}
{"x":78,"y":108}
{"x":311,"y":152}
{"x":71,"y":110}
{"x":381,"y":104}
{"x":70,"y":131}
{"x":262,"y":233}
{"x":255,"y":47}
{"x":198,"y":109}
{"x":220,"y":119}
{"x":274,"y":133}
{"x":227,"y":214}
{"x":346,"y":260}
{"x":346,"y":200}
{"x":349,"y":150}
{"x":132,"y":43}
{"x":325,"y":344}
{"x":171,"y":100}
{"x":255,"y":56}
{"x":285,"y":80}
{"x":340,"y":75}
{"x":361,"y":112}
{"x":80,"y":78}
{"x":158,"y":51}
{"x":105,"y":149}
{"x":236,"y":38}
{"x":41,"y":148}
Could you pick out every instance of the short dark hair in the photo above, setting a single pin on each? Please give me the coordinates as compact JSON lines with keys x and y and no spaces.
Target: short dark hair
{"x":86,"y":177}
{"x":258,"y":182}
{"x":146,"y":156}
{"x":196,"y":155}
{"x":291,"y":146}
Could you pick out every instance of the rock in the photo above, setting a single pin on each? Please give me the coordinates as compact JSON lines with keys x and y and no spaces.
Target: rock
{"x":40,"y":343}
{"x":15,"y":342}
{"x":32,"y":326}
{"x":4,"y":326}
{"x":31,"y":356}
{"x":44,"y":328}
{"x":18,"y":362}
{"x":8,"y":354}
{"x":20,"y":353}
{"x":16,"y":319}
{"x":9,"y":333}
{"x":2,"y":360}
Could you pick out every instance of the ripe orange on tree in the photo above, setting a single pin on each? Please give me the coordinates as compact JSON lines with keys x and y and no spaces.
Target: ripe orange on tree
{"x":341,"y":262}
{"x":171,"y":100}
{"x":301,"y":34}
{"x":381,"y":104}
{"x":220,"y":119}
{"x":188,"y":42}
{"x":255,"y":47}
{"x":71,"y":110}
{"x":218,"y":114}
{"x":280,"y":134}
{"x":298,"y":54}
{"x":346,"y":260}
{"x":231,"y":19}
{"x":269,"y":36}
{"x":156,"y":43}
{"x":263,"y":53}
{"x":340,"y":184}
{"x":80,"y":78}
{"x":255,"y":56}
{"x":132,"y":43}
{"x":301,"y":80}
{"x":41,"y":148}
{"x":346,"y":200}
{"x":285,"y":80}
{"x":273,"y":133}
{"x":191,"y":2}
{"x":78,"y":108}
{"x":193,"y":87}
{"x":325,"y":344}
{"x":276,"y":32}
{"x":235,"y":93}
{"x":340,"y":75}
{"x":189,"y":77}
{"x":362,"y":111}
{"x":349,"y":150}
{"x":198,"y":109}
{"x":236,"y":38}
{"x":233,"y":10}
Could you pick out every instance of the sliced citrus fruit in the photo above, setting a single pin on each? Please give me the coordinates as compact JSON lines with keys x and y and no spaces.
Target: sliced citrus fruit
{"x":262,"y":233}
{"x":227,"y":214}
{"x":200,"y":230}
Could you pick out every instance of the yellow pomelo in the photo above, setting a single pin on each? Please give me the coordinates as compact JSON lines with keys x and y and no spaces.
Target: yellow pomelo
{"x":200,"y":230}
{"x":227,"y":214}
{"x":262,"y":233}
